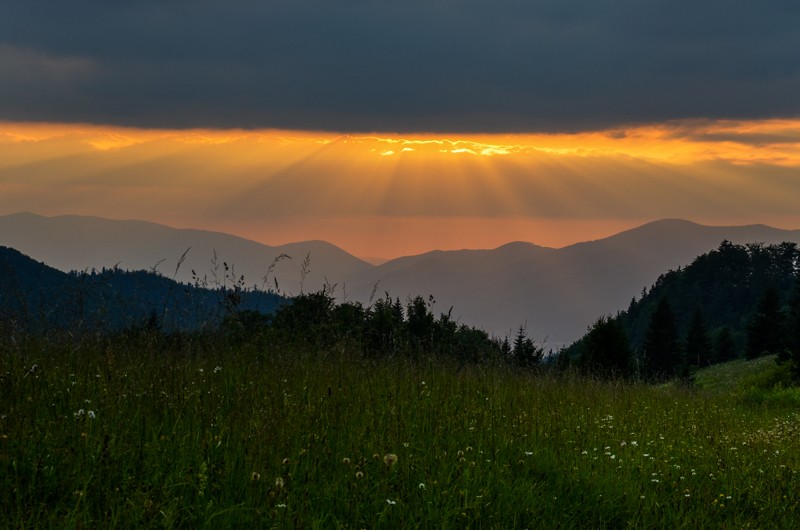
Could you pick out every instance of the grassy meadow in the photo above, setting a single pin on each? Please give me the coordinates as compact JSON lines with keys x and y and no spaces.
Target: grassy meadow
{"x":126,"y":435}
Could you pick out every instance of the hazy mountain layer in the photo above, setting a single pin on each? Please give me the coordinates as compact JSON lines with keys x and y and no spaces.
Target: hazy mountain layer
{"x":557,"y":292}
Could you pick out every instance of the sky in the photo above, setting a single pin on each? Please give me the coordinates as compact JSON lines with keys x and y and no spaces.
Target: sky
{"x":392,"y":128}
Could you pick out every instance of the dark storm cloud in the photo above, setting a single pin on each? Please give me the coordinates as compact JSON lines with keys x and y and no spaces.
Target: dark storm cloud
{"x":415,"y":65}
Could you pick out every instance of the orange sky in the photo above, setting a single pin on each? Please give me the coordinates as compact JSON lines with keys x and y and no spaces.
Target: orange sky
{"x":383,"y":195}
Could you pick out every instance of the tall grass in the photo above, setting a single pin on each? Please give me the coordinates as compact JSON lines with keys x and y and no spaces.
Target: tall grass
{"x":116,"y":434}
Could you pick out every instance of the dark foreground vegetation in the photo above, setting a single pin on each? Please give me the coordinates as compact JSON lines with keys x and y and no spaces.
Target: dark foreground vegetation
{"x":139,"y":433}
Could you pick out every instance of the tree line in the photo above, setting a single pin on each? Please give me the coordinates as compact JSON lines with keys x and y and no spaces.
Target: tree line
{"x":386,"y":327}
{"x":735,"y":301}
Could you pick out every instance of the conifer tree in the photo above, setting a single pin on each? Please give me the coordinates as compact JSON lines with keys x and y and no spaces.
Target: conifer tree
{"x":698,"y":343}
{"x":724,"y":346}
{"x":606,"y":350}
{"x":765,"y":328}
{"x":420,"y":324}
{"x":791,"y":352}
{"x":525,"y":352}
{"x":662,"y":351}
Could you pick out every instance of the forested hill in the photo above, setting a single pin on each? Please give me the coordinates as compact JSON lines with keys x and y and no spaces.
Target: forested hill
{"x":37,"y":298}
{"x":733,"y":301}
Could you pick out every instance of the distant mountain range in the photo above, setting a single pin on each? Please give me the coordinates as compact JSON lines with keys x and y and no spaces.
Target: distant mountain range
{"x":557,"y":292}
{"x":72,"y":242}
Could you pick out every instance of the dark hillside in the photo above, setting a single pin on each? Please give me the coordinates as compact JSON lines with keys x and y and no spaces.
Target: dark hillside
{"x":724,"y":284}
{"x":37,"y":298}
{"x":721,"y":291}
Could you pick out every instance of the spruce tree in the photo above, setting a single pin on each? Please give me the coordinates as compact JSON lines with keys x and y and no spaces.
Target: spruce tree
{"x":662,"y":351}
{"x":791,"y":352}
{"x":698,"y":343}
{"x":765,"y":328}
{"x":525,"y":352}
{"x":606,"y":350}
{"x":724,"y":346}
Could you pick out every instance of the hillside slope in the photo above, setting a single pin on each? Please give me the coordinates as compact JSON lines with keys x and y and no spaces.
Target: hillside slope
{"x":37,"y":298}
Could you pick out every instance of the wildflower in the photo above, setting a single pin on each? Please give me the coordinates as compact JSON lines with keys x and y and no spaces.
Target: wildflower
{"x":346,"y":461}
{"x":90,"y":414}
{"x":217,"y":369}
{"x":281,"y":506}
{"x":421,"y":485}
{"x":390,"y":459}
{"x":80,"y":413}
{"x":390,"y":501}
{"x":255,"y":476}
{"x":285,"y":461}
{"x":279,"y":482}
{"x":359,"y":475}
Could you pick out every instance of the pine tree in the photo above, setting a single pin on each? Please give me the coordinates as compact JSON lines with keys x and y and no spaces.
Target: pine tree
{"x":765,"y":328}
{"x":791,"y":352}
{"x":420,"y":324}
{"x":525,"y":352}
{"x":724,"y":346}
{"x":662,"y":352}
{"x":505,"y":349}
{"x":606,"y":350}
{"x":698,"y":343}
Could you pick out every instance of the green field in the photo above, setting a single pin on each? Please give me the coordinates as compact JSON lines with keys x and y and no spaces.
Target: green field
{"x":126,"y":435}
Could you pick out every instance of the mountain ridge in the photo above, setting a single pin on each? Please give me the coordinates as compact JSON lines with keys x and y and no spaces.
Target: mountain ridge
{"x":556,"y":292}
{"x":38,"y":298}
{"x":79,"y":243}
